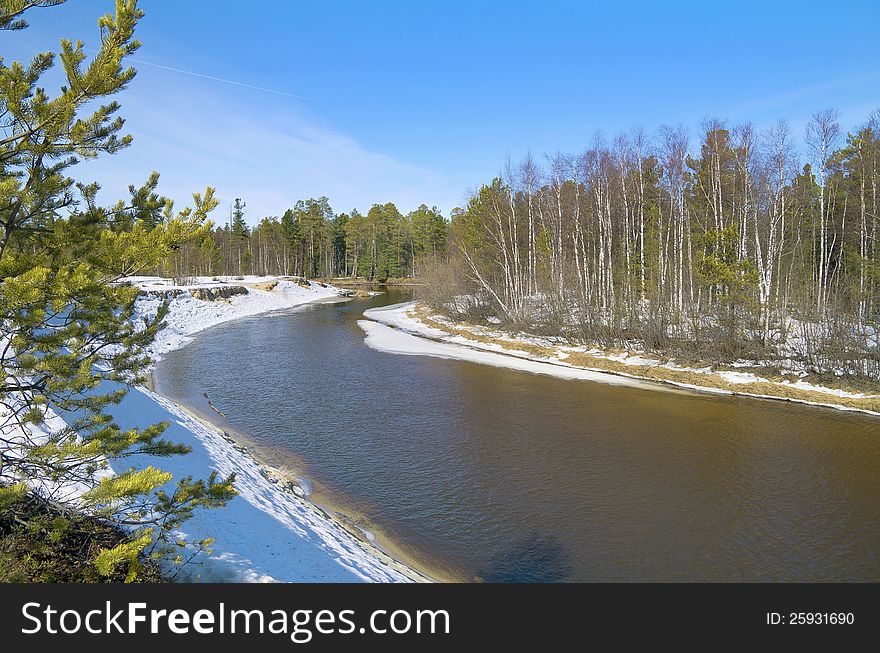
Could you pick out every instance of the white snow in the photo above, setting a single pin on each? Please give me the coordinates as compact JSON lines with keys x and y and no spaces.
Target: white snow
{"x":397,"y":315}
{"x":268,"y":532}
{"x":739,"y":377}
{"x":382,"y":337}
{"x":831,"y":391}
{"x":393,"y":329}
{"x":637,"y":360}
{"x":188,"y":315}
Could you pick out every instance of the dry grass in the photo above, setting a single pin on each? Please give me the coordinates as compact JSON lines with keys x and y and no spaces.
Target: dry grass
{"x":771,"y":387}
{"x":465,"y":330}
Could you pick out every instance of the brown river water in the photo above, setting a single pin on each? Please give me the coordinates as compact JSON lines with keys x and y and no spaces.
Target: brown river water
{"x":484,"y":473}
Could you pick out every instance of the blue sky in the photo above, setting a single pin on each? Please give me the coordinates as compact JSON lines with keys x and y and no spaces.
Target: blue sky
{"x":420,"y":102}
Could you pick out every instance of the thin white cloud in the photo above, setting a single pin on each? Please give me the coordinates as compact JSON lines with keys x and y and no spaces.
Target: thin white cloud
{"x":191,"y":73}
{"x":798,"y":104}
{"x":251,"y":145}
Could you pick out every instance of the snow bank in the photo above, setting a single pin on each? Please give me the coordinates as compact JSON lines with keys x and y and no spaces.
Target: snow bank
{"x":188,"y":315}
{"x":393,"y":329}
{"x":397,"y":315}
{"x":831,"y":391}
{"x":399,"y":340}
{"x":267,"y":533}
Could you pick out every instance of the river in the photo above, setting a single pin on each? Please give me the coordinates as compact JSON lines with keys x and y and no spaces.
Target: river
{"x":479,"y":472}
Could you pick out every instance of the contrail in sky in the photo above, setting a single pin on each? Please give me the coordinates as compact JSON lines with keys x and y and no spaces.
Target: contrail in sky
{"x":218,"y":79}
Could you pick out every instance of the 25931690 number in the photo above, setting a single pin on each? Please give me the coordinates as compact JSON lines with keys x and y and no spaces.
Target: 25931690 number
{"x":821,"y":618}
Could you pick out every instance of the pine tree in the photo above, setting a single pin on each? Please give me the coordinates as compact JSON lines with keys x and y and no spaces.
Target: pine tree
{"x":69,"y":343}
{"x":240,"y":235}
{"x":292,"y":238}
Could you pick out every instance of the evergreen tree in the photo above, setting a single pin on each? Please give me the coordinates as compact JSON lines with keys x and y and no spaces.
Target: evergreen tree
{"x":240,"y":235}
{"x":313,"y":217}
{"x":429,"y":230}
{"x":356,"y":243}
{"x":340,"y":250}
{"x":292,"y":237}
{"x":386,"y":242}
{"x":69,"y":343}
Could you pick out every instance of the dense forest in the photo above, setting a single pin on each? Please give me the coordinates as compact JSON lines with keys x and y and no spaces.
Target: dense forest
{"x":311,"y":240}
{"x":747,"y":244}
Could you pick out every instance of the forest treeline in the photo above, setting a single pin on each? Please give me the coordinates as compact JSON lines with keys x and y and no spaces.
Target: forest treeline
{"x":311,"y":240}
{"x":746,"y":244}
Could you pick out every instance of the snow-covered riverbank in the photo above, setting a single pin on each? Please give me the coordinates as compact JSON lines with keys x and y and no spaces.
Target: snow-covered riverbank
{"x":267,"y":533}
{"x":270,"y":531}
{"x":408,"y":329}
{"x":380,"y":335}
{"x":189,"y":315}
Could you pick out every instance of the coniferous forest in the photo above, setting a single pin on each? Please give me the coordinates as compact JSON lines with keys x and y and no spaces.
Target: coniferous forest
{"x":311,"y":240}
